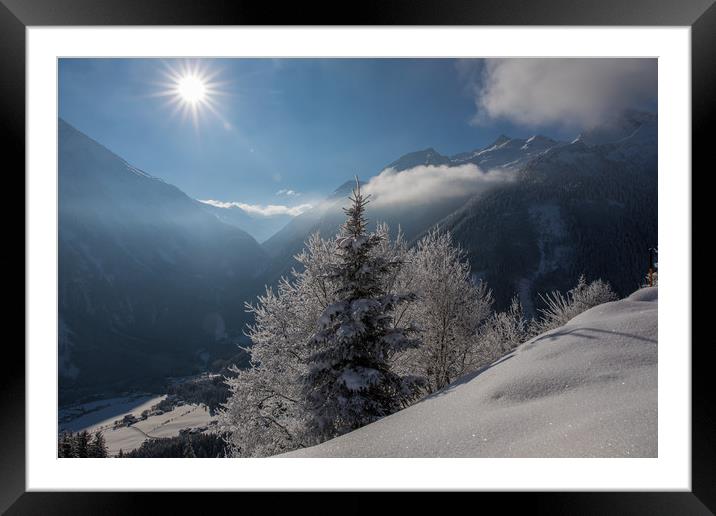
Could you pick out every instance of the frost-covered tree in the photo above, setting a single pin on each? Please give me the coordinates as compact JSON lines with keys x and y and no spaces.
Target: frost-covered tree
{"x":651,"y":280}
{"x":449,"y":309}
{"x":559,"y":308}
{"x":350,"y":382}
{"x":502,"y":333}
{"x":266,"y":413}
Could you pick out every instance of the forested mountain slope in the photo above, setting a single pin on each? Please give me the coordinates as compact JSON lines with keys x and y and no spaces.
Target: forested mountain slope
{"x":149,"y":283}
{"x":586,"y":207}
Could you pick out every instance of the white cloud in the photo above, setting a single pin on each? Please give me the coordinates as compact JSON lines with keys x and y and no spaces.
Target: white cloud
{"x":570,"y":92}
{"x":288,"y":193}
{"x":431,"y":183}
{"x":269,"y":210}
{"x":220,"y":204}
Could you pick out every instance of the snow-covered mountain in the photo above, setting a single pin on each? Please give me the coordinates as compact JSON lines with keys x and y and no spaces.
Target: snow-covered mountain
{"x":325,"y":216}
{"x":507,"y":152}
{"x":586,"y":389}
{"x":258,"y":226}
{"x":504,"y":152}
{"x":588,"y":206}
{"x":425,"y":157}
{"x":576,"y":208}
{"x":150,"y":284}
{"x":619,"y":127}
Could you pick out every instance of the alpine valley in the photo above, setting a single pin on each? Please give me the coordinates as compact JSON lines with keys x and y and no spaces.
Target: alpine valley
{"x":152,"y":283}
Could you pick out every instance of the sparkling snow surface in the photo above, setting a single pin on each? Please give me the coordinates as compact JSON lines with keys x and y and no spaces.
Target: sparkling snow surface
{"x":586,"y":389}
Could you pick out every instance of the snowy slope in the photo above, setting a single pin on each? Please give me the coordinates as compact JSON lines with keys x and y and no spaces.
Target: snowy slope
{"x":587,"y":389}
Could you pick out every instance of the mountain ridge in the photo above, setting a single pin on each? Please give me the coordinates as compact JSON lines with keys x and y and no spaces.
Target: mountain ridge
{"x":557,"y":169}
{"x":149,"y":284}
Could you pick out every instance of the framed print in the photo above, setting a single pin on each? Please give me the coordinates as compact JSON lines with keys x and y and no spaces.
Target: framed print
{"x":407,"y":251}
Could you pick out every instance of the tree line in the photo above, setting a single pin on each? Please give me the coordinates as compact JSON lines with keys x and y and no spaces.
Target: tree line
{"x":185,"y":445}
{"x":82,"y":445}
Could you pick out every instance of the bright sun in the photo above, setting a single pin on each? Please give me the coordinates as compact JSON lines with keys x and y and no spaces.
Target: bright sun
{"x":191,"y":88}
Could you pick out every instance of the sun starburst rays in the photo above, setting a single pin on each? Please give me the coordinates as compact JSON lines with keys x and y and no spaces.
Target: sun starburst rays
{"x":192,"y":91}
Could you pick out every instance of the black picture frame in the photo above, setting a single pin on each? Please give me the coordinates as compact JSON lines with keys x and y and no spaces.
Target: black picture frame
{"x":16,"y":15}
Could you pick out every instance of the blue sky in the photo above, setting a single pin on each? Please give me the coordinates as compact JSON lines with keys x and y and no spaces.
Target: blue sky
{"x":308,"y":125}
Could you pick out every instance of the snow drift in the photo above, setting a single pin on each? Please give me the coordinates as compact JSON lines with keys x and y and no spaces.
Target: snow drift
{"x":586,"y":389}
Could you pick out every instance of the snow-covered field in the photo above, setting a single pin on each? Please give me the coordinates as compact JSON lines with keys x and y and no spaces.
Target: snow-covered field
{"x":586,"y":389}
{"x":100,"y":416}
{"x":168,"y":424}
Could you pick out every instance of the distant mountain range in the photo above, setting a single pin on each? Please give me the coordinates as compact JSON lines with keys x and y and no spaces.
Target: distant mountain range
{"x":504,"y":152}
{"x":152,"y":282}
{"x":258,"y":226}
{"x":586,"y":206}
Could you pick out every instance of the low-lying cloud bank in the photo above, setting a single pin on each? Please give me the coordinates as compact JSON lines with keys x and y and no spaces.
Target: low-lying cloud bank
{"x":570,"y":91}
{"x":415,"y":186}
{"x":432,"y":183}
{"x":269,"y":210}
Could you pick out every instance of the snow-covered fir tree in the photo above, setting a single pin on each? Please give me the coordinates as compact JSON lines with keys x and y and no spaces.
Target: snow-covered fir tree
{"x":350,"y":382}
{"x":266,"y":412}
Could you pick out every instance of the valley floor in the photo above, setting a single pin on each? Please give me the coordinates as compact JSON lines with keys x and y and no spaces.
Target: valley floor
{"x":586,"y":389}
{"x":103,"y":415}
